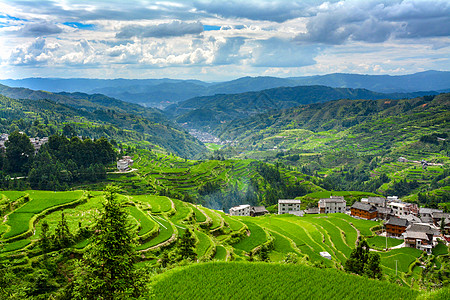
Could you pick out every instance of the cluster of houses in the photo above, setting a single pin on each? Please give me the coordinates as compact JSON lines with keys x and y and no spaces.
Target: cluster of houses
{"x":125,"y":163}
{"x":419,"y":227}
{"x":36,"y":142}
{"x":247,"y":210}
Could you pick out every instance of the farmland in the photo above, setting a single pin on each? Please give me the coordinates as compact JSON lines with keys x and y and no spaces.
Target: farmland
{"x":269,"y":281}
{"x":159,"y":221}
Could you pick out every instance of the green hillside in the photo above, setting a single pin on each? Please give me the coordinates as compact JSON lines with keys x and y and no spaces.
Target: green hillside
{"x":269,"y":281}
{"x":159,"y":223}
{"x":211,"y":111}
{"x":45,"y":117}
{"x":354,"y":144}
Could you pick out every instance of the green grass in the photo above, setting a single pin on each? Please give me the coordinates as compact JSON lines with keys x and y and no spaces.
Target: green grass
{"x":164,"y":234}
{"x":379,"y":242}
{"x":243,"y":280}
{"x":158,"y":203}
{"x":257,"y":237}
{"x":13,"y":195}
{"x":221,"y":253}
{"x":403,"y":256}
{"x":440,"y":249}
{"x":234,"y":224}
{"x":203,"y":245}
{"x":146,"y":224}
{"x":215,"y":217}
{"x":199,"y":216}
{"x":16,"y":245}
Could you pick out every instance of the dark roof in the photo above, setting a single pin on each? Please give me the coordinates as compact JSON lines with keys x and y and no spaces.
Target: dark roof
{"x":421,"y":228}
{"x":440,"y":215}
{"x":426,"y":220}
{"x":364,"y":206}
{"x":397,"y":222}
{"x":384,"y":210}
{"x":377,"y":200}
{"x":259,"y":209}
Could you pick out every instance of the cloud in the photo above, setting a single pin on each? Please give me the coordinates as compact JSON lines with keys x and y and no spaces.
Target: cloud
{"x":277,"y":52}
{"x":277,"y":11}
{"x":173,"y":29}
{"x":39,"y":29}
{"x":227,"y":52}
{"x":376,"y":21}
{"x":37,"y":53}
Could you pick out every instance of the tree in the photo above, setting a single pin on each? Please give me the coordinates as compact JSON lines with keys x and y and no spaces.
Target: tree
{"x":63,"y":237}
{"x":358,"y":257}
{"x":364,"y":262}
{"x":186,"y":245}
{"x":19,"y":152}
{"x":372,"y":267}
{"x":45,"y":239}
{"x":107,"y":269}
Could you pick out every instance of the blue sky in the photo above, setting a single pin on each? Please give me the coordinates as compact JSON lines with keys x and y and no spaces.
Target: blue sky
{"x":221,"y":40}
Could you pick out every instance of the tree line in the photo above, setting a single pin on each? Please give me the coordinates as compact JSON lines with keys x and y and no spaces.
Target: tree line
{"x":58,"y":163}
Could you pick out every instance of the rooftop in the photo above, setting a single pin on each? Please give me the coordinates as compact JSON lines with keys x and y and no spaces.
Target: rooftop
{"x":364,"y":206}
{"x":333,"y":199}
{"x":242,"y":206}
{"x":289,"y":201}
{"x":397,"y":222}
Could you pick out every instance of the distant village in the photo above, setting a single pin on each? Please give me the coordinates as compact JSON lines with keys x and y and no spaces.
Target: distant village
{"x":420,"y":228}
{"x":36,"y":142}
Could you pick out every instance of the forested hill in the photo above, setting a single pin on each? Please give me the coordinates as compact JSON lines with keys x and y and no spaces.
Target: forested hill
{"x":213,"y":110}
{"x":384,"y":120}
{"x":162,"y":92}
{"x":45,"y":117}
{"x":84,"y":101}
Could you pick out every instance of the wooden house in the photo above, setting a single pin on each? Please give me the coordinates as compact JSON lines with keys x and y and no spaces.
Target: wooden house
{"x":363,"y":210}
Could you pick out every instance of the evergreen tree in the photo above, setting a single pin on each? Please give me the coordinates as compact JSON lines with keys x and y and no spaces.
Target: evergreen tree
{"x":63,"y":237}
{"x":107,"y":269}
{"x":19,"y":152}
{"x":45,"y":239}
{"x":186,"y":245}
{"x":358,"y":257}
{"x":372,"y":267}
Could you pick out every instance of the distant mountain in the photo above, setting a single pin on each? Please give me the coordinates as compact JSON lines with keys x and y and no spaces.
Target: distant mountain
{"x":163,"y":92}
{"x":343,"y":115}
{"x":423,"y":81}
{"x":93,"y":115}
{"x":210,"y":111}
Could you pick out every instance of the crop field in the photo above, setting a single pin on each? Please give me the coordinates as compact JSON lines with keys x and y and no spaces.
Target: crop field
{"x":257,"y":237}
{"x":270,"y":281}
{"x":379,"y":242}
{"x":159,"y":219}
{"x":403,"y":257}
{"x":204,"y":243}
{"x":19,"y":220}
{"x":145,"y":222}
{"x":165,"y":232}
{"x":157,"y":204}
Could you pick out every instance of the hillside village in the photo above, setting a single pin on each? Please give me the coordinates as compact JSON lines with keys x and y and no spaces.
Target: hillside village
{"x":419,"y":227}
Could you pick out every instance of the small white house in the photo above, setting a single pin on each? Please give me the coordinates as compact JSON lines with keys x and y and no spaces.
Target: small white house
{"x":332,"y":205}
{"x":240,"y":210}
{"x":125,"y":163}
{"x":326,"y":255}
{"x":286,"y":206}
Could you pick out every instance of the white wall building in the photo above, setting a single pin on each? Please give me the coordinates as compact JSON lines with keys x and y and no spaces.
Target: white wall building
{"x":285,"y":206}
{"x":240,"y":210}
{"x":332,"y":205}
{"x":402,"y":209}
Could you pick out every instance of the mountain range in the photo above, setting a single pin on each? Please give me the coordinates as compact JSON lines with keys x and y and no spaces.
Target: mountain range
{"x":163,"y":92}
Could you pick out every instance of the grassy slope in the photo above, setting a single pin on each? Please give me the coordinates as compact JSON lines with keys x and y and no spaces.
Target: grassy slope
{"x":270,"y":281}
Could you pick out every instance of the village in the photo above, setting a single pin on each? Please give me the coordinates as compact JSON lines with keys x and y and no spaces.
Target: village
{"x":419,"y":227}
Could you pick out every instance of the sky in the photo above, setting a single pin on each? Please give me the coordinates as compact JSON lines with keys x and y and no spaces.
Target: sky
{"x":221,"y":40}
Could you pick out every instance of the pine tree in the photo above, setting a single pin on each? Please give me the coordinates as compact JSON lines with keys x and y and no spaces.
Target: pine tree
{"x":45,"y":239}
{"x":186,"y":245}
{"x":107,"y":270}
{"x":372,"y":267}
